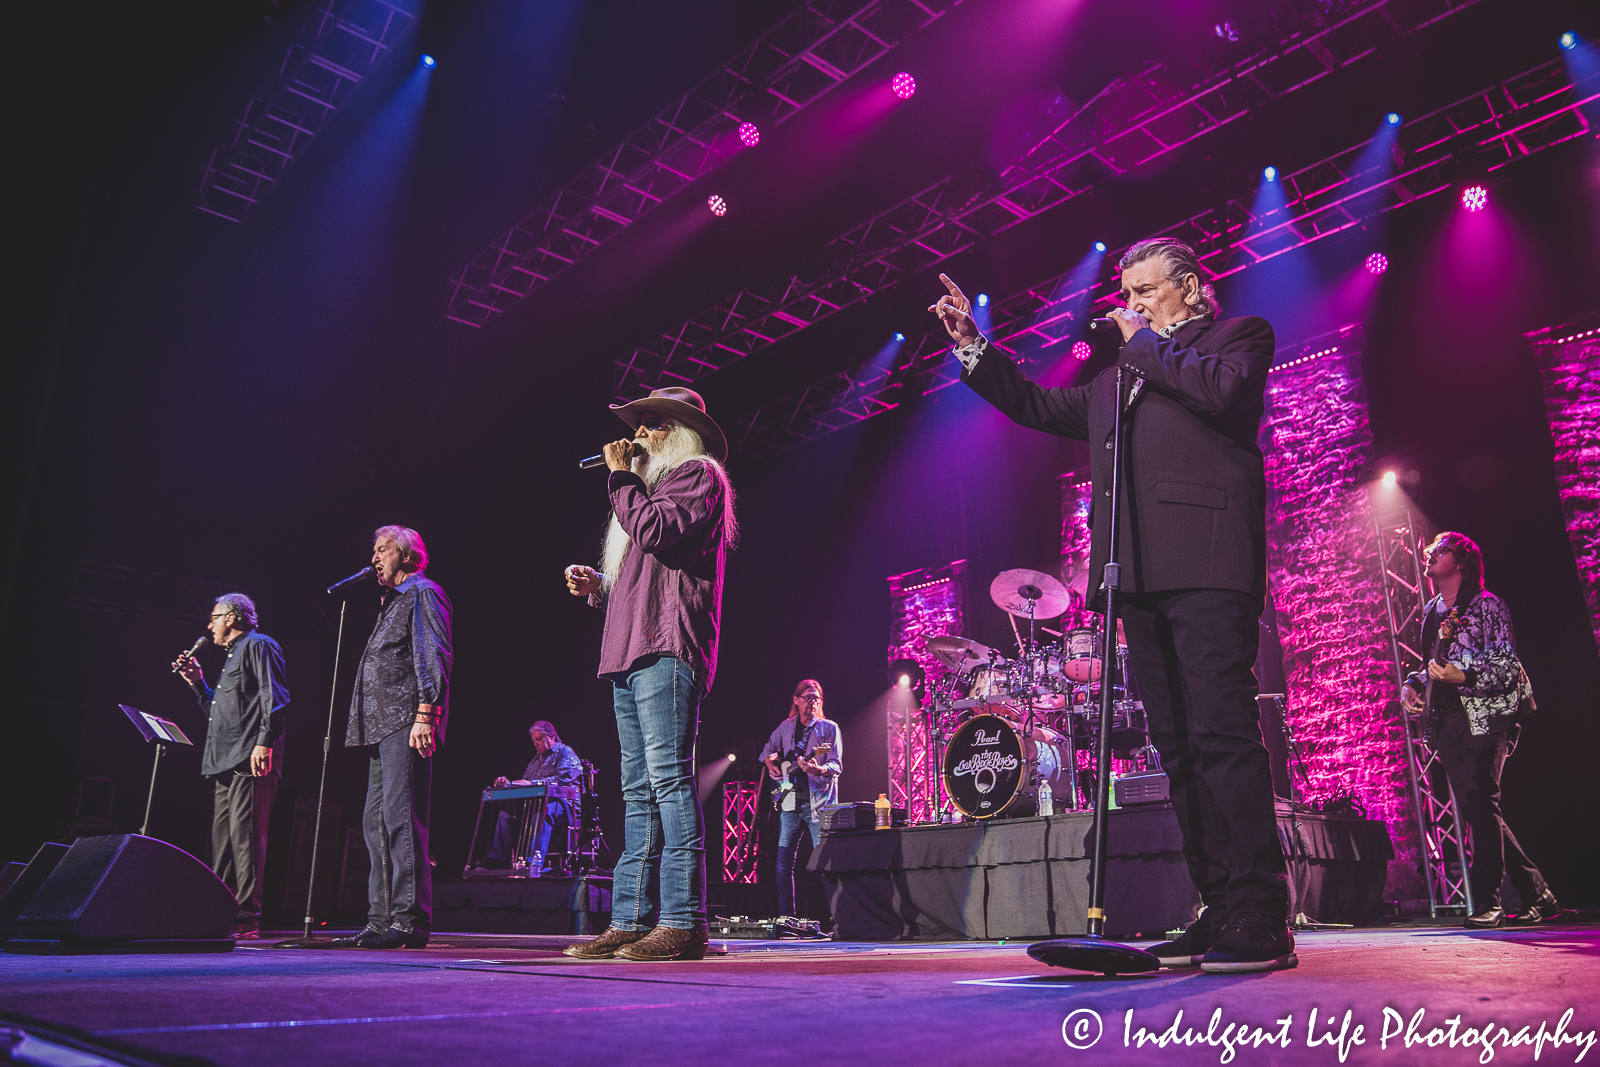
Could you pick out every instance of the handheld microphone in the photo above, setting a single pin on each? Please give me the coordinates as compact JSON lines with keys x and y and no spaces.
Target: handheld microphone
{"x":189,"y":655}
{"x":1108,"y":325}
{"x":364,"y":572}
{"x":600,"y":460}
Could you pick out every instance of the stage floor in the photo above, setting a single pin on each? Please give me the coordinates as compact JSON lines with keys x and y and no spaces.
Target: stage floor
{"x":501,"y":999}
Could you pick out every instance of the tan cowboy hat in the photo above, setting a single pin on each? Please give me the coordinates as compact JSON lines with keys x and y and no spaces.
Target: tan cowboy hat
{"x":683,"y":406}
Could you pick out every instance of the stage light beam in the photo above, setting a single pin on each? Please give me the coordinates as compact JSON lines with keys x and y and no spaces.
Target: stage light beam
{"x":1475,"y":198}
{"x":1270,"y":174}
{"x":1389,"y":478}
{"x":900,"y":337}
{"x":1392,"y":118}
{"x":904,"y":85}
{"x":1568,"y":41}
{"x":429,"y":61}
{"x":1377,"y":263}
{"x":1100,"y":246}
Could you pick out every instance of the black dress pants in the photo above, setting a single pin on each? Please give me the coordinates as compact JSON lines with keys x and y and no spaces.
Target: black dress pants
{"x":240,"y":810}
{"x":1473,"y":765}
{"x":1193,"y":653}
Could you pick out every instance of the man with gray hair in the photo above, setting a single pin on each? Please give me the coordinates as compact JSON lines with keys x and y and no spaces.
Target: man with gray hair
{"x":1192,"y":551}
{"x":243,"y":753}
{"x":671,"y":526}
{"x":398,"y":713}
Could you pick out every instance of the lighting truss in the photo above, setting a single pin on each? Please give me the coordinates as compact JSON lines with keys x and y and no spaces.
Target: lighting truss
{"x":1445,"y":850}
{"x":739,"y":841}
{"x":337,"y":49}
{"x":1131,"y":122}
{"x":788,"y":68}
{"x":1511,"y":120}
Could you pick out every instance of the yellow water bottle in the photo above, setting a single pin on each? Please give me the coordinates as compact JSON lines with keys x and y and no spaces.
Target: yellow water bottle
{"x":882,"y":812}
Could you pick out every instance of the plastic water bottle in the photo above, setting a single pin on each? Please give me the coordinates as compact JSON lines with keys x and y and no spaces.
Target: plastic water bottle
{"x":882,"y":813}
{"x":536,"y":865}
{"x":1047,"y":799}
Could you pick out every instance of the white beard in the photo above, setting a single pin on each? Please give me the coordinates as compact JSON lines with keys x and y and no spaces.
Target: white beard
{"x":681,"y":446}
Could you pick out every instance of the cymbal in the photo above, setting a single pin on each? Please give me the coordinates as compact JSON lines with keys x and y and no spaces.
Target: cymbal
{"x":1012,"y":591}
{"x":961,"y":653}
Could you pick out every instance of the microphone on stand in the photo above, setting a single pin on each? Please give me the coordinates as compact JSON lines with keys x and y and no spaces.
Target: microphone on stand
{"x":189,"y":655}
{"x":364,"y":572}
{"x":600,"y":460}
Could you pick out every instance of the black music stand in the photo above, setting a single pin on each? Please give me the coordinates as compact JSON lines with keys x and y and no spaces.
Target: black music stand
{"x":1093,"y":952}
{"x":163,"y":732}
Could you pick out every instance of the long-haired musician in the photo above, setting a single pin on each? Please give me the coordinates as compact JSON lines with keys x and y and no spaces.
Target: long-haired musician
{"x":805,"y":756}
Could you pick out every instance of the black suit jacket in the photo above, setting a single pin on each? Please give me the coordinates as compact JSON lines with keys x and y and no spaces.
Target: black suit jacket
{"x":1194,"y":494}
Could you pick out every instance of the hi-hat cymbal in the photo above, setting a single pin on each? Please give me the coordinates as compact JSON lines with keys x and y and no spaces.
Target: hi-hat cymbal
{"x":1013,"y":590}
{"x":961,"y":653}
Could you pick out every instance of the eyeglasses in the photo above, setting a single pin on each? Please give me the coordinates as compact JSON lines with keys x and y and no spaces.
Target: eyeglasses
{"x":813,"y":699}
{"x":655,"y":422}
{"x":224,"y":615}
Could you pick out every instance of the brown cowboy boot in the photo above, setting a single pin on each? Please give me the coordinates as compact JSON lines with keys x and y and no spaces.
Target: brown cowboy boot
{"x":605,"y":946}
{"x":667,"y":943}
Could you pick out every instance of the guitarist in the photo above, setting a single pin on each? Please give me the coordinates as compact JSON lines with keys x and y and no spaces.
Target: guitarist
{"x":804,"y":752}
{"x":1474,"y":692}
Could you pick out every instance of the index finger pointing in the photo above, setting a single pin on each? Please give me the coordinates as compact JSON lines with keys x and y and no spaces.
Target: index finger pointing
{"x":955,"y":290}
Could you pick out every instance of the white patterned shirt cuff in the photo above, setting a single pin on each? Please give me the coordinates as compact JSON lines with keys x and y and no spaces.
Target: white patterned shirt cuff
{"x":968,"y":354}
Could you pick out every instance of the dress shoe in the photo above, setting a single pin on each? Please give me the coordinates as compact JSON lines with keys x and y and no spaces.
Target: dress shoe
{"x":245,"y":932}
{"x":1187,"y":949}
{"x":1540,"y":911}
{"x":1487,"y":919}
{"x":668,"y":943}
{"x":605,"y":946}
{"x":357,"y":940}
{"x":1251,"y":943}
{"x":396,"y":937}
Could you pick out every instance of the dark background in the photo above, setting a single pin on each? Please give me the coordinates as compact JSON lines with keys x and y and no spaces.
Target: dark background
{"x":240,"y":406}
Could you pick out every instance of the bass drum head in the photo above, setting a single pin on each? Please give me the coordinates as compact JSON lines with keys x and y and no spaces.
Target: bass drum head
{"x":986,"y":766}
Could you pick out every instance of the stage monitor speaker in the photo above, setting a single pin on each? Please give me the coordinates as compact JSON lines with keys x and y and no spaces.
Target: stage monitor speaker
{"x":128,"y":888}
{"x":21,"y":889}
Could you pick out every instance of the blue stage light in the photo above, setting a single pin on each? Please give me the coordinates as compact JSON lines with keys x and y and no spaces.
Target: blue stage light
{"x":983,"y":300}
{"x":1270,"y":174}
{"x":429,"y":61}
{"x":899,"y":336}
{"x":1099,"y":246}
{"x":1569,"y":41}
{"x":1392,"y":118}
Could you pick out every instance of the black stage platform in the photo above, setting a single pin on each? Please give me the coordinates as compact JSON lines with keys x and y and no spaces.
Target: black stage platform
{"x":1029,"y":878}
{"x":524,"y":905}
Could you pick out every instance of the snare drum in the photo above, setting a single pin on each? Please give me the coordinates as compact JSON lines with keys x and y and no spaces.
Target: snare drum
{"x":991,"y":767}
{"x":1082,"y":655}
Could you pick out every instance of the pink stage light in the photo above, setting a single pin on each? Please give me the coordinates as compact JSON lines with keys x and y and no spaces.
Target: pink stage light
{"x":1081,"y":350}
{"x":750,"y":134}
{"x":1474,"y":198}
{"x":718,"y":206}
{"x":1377,"y":263}
{"x":904,"y":86}
{"x":1389,"y":478}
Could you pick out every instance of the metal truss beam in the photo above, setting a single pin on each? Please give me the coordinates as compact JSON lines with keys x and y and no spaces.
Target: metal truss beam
{"x":791,"y":66}
{"x":740,"y":844}
{"x":1511,"y":120}
{"x":1131,"y":122}
{"x":337,"y":49}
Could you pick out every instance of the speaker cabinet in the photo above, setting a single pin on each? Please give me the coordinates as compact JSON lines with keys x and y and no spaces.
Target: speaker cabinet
{"x":128,"y":888}
{"x":23,"y":884}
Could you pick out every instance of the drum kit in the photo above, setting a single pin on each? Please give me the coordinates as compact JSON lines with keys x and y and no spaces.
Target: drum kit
{"x":1007,"y":727}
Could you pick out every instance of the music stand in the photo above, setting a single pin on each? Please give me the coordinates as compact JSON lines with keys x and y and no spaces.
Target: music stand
{"x":163,"y":732}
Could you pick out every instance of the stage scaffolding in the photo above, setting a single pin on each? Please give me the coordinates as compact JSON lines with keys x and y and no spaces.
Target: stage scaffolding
{"x":338,"y":48}
{"x":923,"y":604}
{"x":1446,"y":853}
{"x":740,"y":845}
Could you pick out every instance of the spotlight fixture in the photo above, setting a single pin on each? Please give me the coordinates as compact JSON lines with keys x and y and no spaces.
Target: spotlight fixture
{"x":907,"y":673}
{"x":1389,"y":479}
{"x":904,"y":86}
{"x":718,"y":206}
{"x":750,"y":134}
{"x":733,"y":757}
{"x":1568,"y":41}
{"x":1081,"y":350}
{"x":983,"y":300}
{"x":1392,"y":118}
{"x":429,"y":61}
{"x":1377,"y":263}
{"x":1270,"y":174}
{"x":1474,"y":198}
{"x":1100,"y":246}
{"x":899,"y":337}
{"x":905,"y":681}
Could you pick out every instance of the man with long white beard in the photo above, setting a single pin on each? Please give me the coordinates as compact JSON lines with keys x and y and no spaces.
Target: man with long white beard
{"x":660,"y":583}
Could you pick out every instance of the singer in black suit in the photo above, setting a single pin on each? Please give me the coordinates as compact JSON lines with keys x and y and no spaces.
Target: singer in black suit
{"x":1192,"y":549}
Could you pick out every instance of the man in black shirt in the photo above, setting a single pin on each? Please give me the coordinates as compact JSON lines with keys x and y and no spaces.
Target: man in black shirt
{"x":398,"y":712}
{"x":243,"y":754}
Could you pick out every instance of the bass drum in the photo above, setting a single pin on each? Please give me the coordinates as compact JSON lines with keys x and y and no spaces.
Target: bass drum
{"x":991,"y":767}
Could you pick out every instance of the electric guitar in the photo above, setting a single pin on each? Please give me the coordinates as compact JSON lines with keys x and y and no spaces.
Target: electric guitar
{"x":791,"y":772}
{"x":1445,"y":634}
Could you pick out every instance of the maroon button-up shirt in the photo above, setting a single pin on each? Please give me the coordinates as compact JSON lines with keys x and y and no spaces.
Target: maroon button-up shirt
{"x":667,"y":600}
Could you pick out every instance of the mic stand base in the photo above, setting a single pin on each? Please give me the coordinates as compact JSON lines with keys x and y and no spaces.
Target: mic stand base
{"x":1094,"y":954}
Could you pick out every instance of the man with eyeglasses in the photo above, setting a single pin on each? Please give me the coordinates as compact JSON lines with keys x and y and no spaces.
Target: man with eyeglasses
{"x":660,"y":583}
{"x":804,"y":756}
{"x":1480,"y":695}
{"x":243,"y":753}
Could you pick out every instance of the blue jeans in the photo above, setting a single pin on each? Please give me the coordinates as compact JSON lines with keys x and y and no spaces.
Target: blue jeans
{"x":789,"y":824}
{"x":661,"y":878}
{"x":395,"y":824}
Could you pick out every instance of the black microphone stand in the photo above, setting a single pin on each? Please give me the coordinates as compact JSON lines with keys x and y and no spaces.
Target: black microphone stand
{"x":305,"y":940}
{"x":1093,"y":952}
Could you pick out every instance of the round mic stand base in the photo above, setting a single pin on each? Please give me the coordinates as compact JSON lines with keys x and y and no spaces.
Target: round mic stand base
{"x":1093,"y":954}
